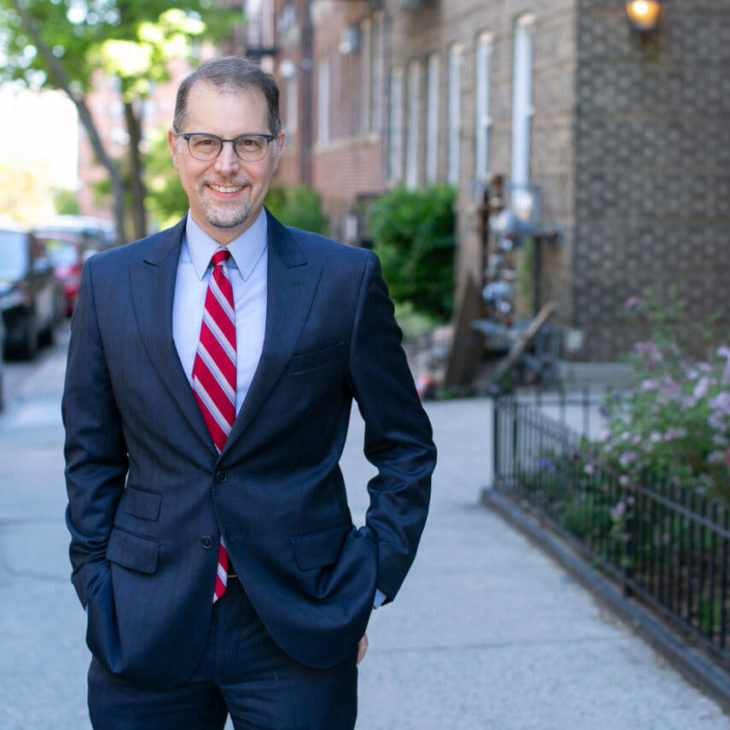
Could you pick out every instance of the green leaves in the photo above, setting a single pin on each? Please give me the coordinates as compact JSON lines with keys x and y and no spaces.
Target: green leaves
{"x":413,"y":232}
{"x":298,"y":206}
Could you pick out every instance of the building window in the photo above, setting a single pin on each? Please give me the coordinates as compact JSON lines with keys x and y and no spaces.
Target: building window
{"x":292,"y":107}
{"x":365,"y":78}
{"x":522,"y":110}
{"x":323,"y":102}
{"x":395,"y":156}
{"x":432,"y":120}
{"x":483,"y":117}
{"x":378,"y":72}
{"x":454,"y":113}
{"x":337,"y":122}
{"x":414,"y":120}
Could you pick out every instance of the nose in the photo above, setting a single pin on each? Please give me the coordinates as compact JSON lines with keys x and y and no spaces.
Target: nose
{"x":227,"y":160}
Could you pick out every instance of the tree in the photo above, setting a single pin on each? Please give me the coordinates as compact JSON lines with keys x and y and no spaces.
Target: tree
{"x":62,"y":43}
{"x":166,"y":201}
{"x":26,"y":193}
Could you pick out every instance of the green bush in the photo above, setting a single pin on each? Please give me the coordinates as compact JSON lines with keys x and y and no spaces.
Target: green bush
{"x":413,"y":234}
{"x":298,"y":206}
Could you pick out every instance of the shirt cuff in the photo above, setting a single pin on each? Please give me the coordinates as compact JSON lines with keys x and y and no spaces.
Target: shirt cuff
{"x":379,"y":598}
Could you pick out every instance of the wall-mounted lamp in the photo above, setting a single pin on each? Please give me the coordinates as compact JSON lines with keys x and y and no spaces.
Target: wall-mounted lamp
{"x":644,"y":15}
{"x":287,"y":68}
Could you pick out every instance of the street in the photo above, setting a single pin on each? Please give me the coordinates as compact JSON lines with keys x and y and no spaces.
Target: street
{"x":487,"y":633}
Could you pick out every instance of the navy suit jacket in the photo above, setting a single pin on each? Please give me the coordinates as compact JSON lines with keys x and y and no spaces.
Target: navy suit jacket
{"x":149,"y":495}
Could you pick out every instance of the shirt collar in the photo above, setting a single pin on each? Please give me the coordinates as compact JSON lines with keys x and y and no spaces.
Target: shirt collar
{"x":246,"y":250}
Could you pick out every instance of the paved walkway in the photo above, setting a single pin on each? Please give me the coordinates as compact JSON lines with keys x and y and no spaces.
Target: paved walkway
{"x":487,"y":633}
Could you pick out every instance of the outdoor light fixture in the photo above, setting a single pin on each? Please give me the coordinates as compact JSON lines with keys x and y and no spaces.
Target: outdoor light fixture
{"x":287,"y":68}
{"x":644,"y":15}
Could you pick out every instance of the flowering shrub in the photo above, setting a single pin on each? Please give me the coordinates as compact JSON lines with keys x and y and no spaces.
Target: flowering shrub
{"x":675,"y":421}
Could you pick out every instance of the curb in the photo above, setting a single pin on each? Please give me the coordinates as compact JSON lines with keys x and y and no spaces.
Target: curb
{"x":692,"y":665}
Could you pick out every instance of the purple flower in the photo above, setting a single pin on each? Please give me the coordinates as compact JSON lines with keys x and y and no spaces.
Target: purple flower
{"x":716,"y":457}
{"x":717,"y":421}
{"x":670,"y":388}
{"x":618,"y":510}
{"x":627,"y":457}
{"x":721,"y":402}
{"x":700,"y":390}
{"x":543,"y":463}
{"x":649,"y":385}
{"x":632,"y":302}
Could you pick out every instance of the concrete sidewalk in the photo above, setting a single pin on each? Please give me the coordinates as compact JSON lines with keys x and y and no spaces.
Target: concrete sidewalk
{"x":486,"y":632}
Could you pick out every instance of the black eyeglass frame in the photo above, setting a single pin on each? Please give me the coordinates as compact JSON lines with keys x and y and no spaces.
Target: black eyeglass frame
{"x":187,"y":135}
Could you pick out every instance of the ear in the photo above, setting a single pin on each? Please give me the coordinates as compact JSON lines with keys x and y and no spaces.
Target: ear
{"x":174,"y":144}
{"x":280,"y":141}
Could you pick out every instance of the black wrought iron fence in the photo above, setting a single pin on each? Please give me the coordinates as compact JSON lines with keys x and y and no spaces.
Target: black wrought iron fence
{"x":667,"y":545}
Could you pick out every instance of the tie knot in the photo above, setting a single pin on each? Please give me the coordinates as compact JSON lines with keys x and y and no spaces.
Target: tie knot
{"x":220,"y":257}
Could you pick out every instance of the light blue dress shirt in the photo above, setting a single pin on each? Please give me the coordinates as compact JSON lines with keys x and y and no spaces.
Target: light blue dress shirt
{"x":247,"y":270}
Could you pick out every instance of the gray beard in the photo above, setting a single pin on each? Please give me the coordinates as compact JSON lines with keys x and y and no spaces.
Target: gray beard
{"x":224,"y":218}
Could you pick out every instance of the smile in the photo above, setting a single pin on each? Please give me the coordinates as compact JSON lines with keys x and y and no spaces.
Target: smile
{"x":226,"y":188}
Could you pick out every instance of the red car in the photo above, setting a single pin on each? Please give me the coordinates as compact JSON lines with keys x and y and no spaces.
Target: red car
{"x":65,"y":251}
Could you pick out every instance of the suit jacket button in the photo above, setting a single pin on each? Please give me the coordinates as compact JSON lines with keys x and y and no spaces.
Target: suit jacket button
{"x":206,"y":541}
{"x":221,"y":476}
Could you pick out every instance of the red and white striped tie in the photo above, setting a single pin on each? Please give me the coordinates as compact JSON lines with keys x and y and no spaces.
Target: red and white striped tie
{"x":214,"y":374}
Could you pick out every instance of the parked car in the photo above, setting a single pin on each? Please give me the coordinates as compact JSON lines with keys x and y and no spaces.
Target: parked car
{"x":95,"y":234}
{"x":66,"y":253}
{"x":29,"y":293}
{"x":2,"y":365}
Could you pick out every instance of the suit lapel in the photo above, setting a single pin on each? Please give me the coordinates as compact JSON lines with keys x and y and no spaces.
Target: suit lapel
{"x":152,"y":283}
{"x":291,"y":285}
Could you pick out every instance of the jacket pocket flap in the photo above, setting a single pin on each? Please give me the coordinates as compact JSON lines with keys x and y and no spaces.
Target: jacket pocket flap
{"x":145,"y":505}
{"x":132,"y":551}
{"x":317,"y":358}
{"x":320,"y":548}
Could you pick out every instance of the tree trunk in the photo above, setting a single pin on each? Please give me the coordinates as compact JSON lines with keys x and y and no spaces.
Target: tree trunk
{"x":64,"y":82}
{"x":136,"y":170}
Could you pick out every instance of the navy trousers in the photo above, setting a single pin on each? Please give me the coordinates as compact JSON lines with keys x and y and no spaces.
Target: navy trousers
{"x":242,"y":673}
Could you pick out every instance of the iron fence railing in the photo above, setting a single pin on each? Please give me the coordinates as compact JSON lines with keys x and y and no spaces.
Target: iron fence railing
{"x":669,"y":546}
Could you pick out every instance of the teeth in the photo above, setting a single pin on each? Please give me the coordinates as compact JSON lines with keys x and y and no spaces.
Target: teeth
{"x":222,"y":189}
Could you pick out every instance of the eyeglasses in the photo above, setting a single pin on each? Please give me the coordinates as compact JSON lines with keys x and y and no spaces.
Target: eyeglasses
{"x":206,"y":147}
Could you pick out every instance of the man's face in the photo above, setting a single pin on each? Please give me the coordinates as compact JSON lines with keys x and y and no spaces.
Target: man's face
{"x":226,"y":194}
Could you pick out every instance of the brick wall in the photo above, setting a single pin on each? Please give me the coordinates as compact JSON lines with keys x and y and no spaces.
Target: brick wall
{"x":349,"y":164}
{"x":652,"y":166}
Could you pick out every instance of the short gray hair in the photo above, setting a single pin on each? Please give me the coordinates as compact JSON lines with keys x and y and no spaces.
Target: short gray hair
{"x":230,"y":72}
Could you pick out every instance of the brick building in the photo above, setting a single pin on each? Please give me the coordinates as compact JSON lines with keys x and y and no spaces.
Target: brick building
{"x":625,"y":137}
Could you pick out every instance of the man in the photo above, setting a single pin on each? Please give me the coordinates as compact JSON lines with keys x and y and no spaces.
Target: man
{"x":210,"y":377}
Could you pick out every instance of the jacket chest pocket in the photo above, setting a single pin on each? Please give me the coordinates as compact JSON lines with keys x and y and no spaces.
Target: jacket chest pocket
{"x":315,"y":359}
